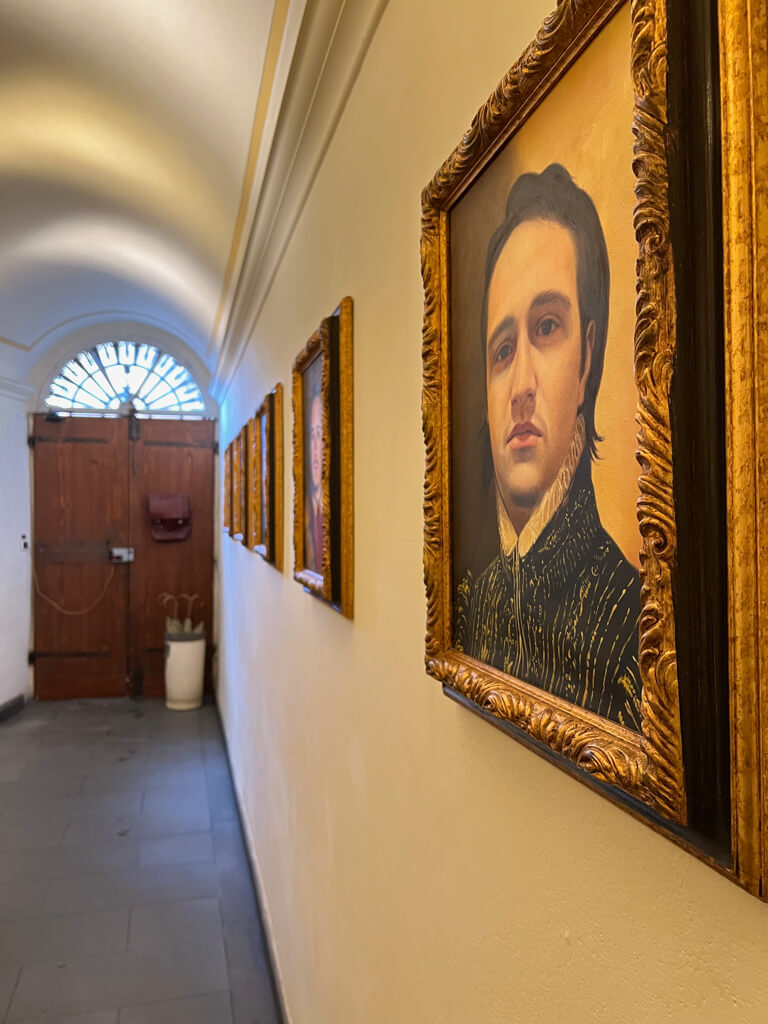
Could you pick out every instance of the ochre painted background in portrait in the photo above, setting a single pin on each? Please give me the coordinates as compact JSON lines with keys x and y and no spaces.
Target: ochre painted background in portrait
{"x":585,"y":124}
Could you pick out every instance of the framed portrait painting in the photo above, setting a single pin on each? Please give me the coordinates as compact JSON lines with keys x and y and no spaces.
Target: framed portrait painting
{"x":252,"y":492}
{"x":239,"y":486}
{"x":267,"y":489}
{"x":323,"y":462}
{"x":579,"y":501}
{"x":227,"y":510}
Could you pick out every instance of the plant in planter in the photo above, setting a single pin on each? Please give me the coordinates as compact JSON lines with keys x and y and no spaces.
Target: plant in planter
{"x":184,"y":654}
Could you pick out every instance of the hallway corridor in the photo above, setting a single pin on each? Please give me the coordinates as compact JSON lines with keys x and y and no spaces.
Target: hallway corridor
{"x":125,"y":893}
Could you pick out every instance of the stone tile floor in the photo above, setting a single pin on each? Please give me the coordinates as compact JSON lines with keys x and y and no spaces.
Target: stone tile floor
{"x":125,"y":892}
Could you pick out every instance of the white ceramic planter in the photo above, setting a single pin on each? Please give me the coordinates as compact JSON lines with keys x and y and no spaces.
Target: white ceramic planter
{"x":184,"y":670}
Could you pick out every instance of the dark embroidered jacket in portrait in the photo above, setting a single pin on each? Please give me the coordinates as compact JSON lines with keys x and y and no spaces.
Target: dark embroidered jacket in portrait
{"x":564,"y":616}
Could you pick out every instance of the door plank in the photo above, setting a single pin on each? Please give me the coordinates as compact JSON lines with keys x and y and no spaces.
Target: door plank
{"x":80,"y":510}
{"x":170,"y":457}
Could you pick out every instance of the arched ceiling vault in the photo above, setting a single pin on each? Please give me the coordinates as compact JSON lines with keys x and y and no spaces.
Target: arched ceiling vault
{"x":132,"y":140}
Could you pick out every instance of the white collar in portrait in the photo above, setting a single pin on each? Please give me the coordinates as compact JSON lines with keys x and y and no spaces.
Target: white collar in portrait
{"x":548,"y":505}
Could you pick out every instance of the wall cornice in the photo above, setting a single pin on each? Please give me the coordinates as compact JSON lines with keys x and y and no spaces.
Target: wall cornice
{"x":12,"y":389}
{"x":334,"y":39}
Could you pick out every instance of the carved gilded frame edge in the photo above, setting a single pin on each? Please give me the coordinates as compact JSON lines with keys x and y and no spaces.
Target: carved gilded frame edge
{"x":743,"y":30}
{"x":237,"y":484}
{"x":253,"y":501}
{"x":263,"y":545}
{"x":319,"y":584}
{"x":231,"y":450}
{"x":344,"y":312}
{"x":227,"y":510}
{"x":647,"y":766}
{"x":242,"y":442}
{"x":277,"y":503}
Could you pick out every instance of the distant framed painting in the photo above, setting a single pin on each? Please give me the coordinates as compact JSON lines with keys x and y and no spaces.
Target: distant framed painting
{"x":267,"y":491}
{"x":581,"y":375}
{"x":239,"y":486}
{"x":253,"y":472}
{"x":227,"y":510}
{"x":323,"y":462}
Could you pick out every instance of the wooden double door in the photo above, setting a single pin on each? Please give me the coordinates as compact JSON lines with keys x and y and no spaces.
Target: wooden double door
{"x":99,"y":623}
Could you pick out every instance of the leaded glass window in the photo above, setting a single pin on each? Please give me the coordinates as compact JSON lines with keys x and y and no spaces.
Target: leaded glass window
{"x":116,"y":375}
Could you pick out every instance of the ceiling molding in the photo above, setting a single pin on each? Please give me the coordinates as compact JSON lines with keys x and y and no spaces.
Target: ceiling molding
{"x":12,"y":389}
{"x":334,"y":40}
{"x":287,"y":19}
{"x":13,"y":344}
{"x":108,"y":319}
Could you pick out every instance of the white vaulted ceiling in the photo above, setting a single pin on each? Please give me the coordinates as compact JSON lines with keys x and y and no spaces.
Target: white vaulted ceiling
{"x":130,"y":138}
{"x":154,"y":158}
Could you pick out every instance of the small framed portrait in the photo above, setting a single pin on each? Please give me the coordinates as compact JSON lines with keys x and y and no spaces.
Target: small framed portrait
{"x":239,"y":486}
{"x":252,"y":491}
{"x":227,"y":509}
{"x":323,"y":461}
{"x":267,"y":489}
{"x":585,"y":293}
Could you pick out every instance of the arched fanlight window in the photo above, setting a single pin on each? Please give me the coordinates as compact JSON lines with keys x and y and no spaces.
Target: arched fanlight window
{"x":116,"y":376}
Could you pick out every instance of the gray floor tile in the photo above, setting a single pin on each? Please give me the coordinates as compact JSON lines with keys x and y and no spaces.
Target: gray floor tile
{"x":105,"y":758}
{"x":88,"y":804}
{"x":191,"y":777}
{"x":101,"y":828}
{"x":163,"y":816}
{"x":125,"y":778}
{"x":22,"y":899}
{"x":236,"y":895}
{"x":20,"y":809}
{"x":236,"y":898}
{"x":76,"y":935}
{"x":66,"y":861}
{"x":136,"y":887}
{"x":209,"y":1009}
{"x":15,"y":739}
{"x":52,"y":763}
{"x":161,"y":799}
{"x":250,"y":982}
{"x":228,"y":843}
{"x":171,"y":771}
{"x":121,"y":979}
{"x":11,"y":766}
{"x":64,"y":784}
{"x":221,"y":800}
{"x":9,"y":975}
{"x":173,"y":923}
{"x":144,"y":911}
{"x":184,"y":849}
{"x":100,"y":1017}
{"x":32,"y":832}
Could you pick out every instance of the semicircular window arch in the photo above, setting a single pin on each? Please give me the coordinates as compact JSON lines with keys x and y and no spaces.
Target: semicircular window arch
{"x":125,"y":376}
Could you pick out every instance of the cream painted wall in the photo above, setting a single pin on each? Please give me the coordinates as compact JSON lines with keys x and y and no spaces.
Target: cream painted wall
{"x":418,"y":866}
{"x":15,"y":599}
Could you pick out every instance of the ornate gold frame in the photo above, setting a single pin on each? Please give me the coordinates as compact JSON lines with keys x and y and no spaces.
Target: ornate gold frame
{"x":278,"y":485}
{"x":243,"y":475}
{"x":238,"y":496}
{"x":263,"y":543}
{"x":332,"y":342}
{"x":646,"y":766}
{"x":269,"y":419}
{"x":227,"y":511}
{"x":743,"y":29}
{"x":343,"y":316}
{"x":318,"y":347}
{"x":253,"y":476}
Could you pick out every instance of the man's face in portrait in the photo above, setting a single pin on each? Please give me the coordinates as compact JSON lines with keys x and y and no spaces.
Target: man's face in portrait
{"x":536,"y":373}
{"x":316,"y":443}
